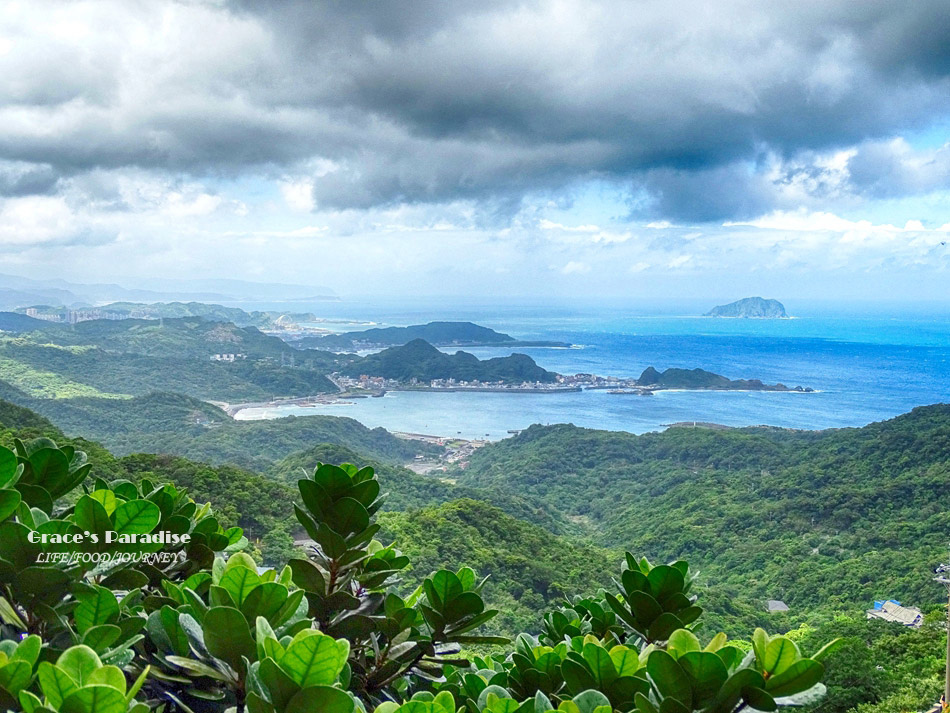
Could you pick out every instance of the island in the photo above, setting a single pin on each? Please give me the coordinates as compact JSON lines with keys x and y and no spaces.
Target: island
{"x":750,"y":308}
{"x":440,"y":334}
{"x":419,"y":363}
{"x":695,"y":379}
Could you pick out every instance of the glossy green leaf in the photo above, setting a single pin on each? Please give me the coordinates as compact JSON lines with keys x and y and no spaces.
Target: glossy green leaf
{"x":314,"y":659}
{"x":136,"y":517}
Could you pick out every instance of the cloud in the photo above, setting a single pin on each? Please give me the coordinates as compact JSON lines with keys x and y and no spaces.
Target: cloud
{"x":485,"y":101}
{"x":575,"y":268}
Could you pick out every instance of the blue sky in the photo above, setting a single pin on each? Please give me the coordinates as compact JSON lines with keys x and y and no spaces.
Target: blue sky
{"x":550,"y":148}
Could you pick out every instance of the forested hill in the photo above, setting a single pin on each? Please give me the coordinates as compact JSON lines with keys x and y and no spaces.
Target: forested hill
{"x":438,"y":333}
{"x":833,"y":518}
{"x":420,"y":360}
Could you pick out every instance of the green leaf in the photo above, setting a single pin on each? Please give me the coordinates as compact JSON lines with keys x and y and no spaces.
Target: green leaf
{"x":333,"y":480}
{"x":94,"y":699}
{"x":446,"y":585}
{"x":55,"y":683}
{"x":100,"y":638}
{"x":798,"y":677}
{"x":279,"y":685}
{"x":238,"y":582}
{"x":577,"y":677}
{"x":15,"y":676}
{"x":9,"y":615}
{"x":98,"y":607}
{"x":109,"y":676}
{"x":589,"y":701}
{"x":321,"y":699}
{"x":265,"y":600}
{"x":600,"y":664}
{"x":664,"y":626}
{"x":314,"y":659}
{"x":625,"y":659}
{"x":227,"y":636}
{"x":682,"y":641}
{"x":760,"y":641}
{"x":347,"y":516}
{"x":28,"y":650}
{"x":780,"y":653}
{"x":136,"y":517}
{"x":464,"y":605}
{"x":633,"y":580}
{"x":307,"y":576}
{"x":196,"y":667}
{"x":759,"y":699}
{"x":315,"y":498}
{"x":707,"y":671}
{"x":665,"y":580}
{"x":106,"y":498}
{"x":79,"y":662}
{"x":8,"y":466}
{"x":30,"y":701}
{"x":9,"y":502}
{"x":827,"y":649}
{"x":669,"y":678}
{"x":91,"y":515}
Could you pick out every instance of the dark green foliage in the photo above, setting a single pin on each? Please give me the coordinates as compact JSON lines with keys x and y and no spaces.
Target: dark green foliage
{"x":19,"y":418}
{"x":530,"y":569}
{"x":420,"y":360}
{"x":195,"y":630}
{"x":194,"y":374}
{"x":407,"y":490}
{"x":179,"y":425}
{"x":829,"y":520}
{"x":18,"y":323}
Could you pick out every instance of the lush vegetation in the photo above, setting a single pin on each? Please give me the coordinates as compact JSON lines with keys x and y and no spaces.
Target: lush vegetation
{"x":47,"y":370}
{"x":179,"y":425}
{"x":420,"y":360}
{"x":822,"y":520}
{"x":189,"y":622}
{"x":826,"y":521}
{"x":438,"y":333}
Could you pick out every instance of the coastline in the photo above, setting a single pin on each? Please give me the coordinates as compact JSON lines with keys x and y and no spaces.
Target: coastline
{"x":344,"y":398}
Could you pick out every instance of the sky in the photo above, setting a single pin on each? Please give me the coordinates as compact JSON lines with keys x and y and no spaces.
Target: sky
{"x":564,"y":148}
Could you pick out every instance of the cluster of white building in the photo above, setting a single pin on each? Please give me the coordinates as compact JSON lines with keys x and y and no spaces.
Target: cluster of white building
{"x":227,"y":357}
{"x":72,"y":316}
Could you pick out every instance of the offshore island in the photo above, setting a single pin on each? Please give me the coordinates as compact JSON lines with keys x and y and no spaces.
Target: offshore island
{"x":750,"y":308}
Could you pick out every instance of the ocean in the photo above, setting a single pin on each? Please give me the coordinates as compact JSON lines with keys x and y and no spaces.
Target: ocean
{"x":866,"y":364}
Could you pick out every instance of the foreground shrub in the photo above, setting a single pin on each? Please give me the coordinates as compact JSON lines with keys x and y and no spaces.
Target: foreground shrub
{"x":201,"y":629}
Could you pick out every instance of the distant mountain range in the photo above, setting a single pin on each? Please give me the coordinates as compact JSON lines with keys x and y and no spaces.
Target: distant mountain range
{"x":750,"y":307}
{"x":23,"y":292}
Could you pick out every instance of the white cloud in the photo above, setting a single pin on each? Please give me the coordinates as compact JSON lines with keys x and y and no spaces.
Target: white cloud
{"x":575,"y":267}
{"x":298,"y":194}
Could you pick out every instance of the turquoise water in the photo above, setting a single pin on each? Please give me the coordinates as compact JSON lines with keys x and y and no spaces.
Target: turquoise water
{"x":866,"y":367}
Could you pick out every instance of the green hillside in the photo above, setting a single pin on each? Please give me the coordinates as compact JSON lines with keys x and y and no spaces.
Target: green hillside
{"x":826,"y":521}
{"x":438,"y":333}
{"x":830,"y":520}
{"x":47,"y":370}
{"x":420,"y":360}
{"x":530,"y":568}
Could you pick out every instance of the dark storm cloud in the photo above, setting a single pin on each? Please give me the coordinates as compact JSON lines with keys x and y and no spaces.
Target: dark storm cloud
{"x":437,"y":101}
